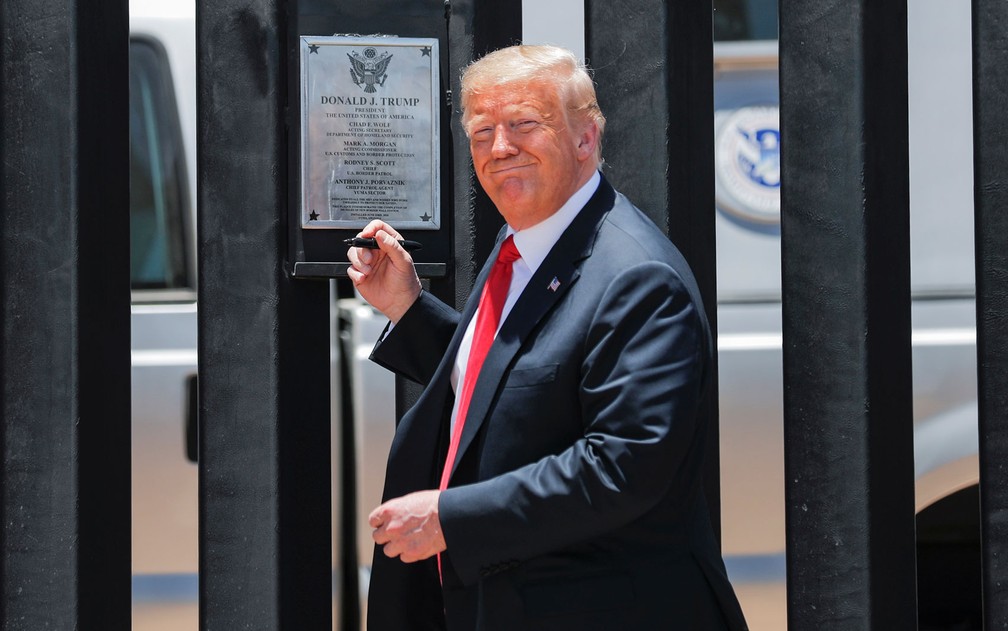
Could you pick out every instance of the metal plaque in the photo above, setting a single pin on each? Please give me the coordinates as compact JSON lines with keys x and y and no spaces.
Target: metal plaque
{"x":370,"y":132}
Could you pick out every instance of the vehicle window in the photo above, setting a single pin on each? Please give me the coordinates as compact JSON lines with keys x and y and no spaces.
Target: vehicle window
{"x":158,"y":191}
{"x":738,"y":20}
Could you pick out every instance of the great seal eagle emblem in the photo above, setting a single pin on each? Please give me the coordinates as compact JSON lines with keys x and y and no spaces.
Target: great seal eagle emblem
{"x":368,"y":70}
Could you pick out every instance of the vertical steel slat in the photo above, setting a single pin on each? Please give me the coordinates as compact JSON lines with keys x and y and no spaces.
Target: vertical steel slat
{"x":265,"y":525}
{"x":848,"y":422}
{"x":64,"y":356}
{"x":990,"y":146}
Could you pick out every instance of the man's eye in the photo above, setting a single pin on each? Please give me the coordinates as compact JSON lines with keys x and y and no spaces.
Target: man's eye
{"x":483,"y":133}
{"x":526,"y":125}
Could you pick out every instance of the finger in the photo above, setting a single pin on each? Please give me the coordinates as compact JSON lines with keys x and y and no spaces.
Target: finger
{"x":412,"y":552}
{"x":388,"y":243}
{"x":408,"y":557}
{"x":355,"y":276}
{"x":381,"y":536}
{"x":361,"y":258}
{"x":369,"y":230}
{"x":357,"y":256}
{"x":376,"y":225}
{"x":418,"y":548}
{"x":391,"y":549}
{"x":377,"y":516}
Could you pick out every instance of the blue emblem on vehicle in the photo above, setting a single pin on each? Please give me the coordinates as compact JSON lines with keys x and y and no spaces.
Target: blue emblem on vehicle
{"x":747,"y":163}
{"x":765,"y":169}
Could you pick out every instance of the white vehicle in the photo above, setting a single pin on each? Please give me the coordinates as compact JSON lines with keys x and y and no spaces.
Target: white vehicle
{"x":163,"y":275}
{"x":163,"y":115}
{"x":749,"y":310}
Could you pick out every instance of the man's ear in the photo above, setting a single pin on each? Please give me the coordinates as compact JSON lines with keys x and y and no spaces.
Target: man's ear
{"x":587,"y":140}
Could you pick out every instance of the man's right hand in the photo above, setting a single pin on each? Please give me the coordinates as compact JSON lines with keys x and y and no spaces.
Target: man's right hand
{"x":385,"y":277}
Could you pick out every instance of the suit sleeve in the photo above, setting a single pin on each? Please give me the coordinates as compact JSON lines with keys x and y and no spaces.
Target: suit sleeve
{"x":643,"y":367}
{"x":414,"y":347}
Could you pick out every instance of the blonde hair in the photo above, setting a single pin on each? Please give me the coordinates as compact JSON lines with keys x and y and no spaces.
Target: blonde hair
{"x":551,"y":65}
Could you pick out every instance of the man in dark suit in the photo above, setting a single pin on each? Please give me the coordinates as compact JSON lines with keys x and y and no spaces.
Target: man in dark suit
{"x":549,"y":476}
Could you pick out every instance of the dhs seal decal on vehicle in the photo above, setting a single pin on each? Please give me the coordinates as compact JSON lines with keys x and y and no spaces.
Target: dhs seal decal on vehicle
{"x":747,"y":164}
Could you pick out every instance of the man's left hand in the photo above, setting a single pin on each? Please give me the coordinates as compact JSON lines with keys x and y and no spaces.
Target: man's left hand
{"x":409,"y":527}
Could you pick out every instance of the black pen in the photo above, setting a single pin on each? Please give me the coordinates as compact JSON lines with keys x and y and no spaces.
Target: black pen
{"x":371,"y":244}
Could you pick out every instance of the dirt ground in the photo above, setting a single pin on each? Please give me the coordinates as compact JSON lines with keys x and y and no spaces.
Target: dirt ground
{"x":764,"y":607}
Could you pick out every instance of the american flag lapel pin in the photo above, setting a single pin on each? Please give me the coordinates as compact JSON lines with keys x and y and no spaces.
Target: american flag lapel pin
{"x":554,"y":284}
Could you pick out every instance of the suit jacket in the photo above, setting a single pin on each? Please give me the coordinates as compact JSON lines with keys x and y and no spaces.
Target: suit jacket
{"x":575,"y":499}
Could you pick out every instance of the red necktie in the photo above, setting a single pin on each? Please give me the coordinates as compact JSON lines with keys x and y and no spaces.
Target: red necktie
{"x":491,"y":305}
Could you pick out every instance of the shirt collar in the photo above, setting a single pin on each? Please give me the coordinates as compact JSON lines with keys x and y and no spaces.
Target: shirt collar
{"x":534,"y":243}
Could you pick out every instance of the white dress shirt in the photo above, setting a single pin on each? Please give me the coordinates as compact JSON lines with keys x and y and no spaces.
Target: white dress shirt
{"x":534,"y":244}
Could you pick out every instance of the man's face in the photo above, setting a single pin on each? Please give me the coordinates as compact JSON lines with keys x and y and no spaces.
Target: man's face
{"x":528,"y":156}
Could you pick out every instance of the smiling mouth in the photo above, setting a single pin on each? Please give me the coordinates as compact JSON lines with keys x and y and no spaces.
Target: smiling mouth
{"x":505,"y":169}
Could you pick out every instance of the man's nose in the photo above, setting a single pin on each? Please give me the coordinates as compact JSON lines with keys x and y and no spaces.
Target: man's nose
{"x":502,"y":145}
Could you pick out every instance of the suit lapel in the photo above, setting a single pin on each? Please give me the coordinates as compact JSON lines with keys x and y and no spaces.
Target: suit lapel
{"x":448,"y":361}
{"x":423,"y":420}
{"x":558,"y":272}
{"x":443,"y":373}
